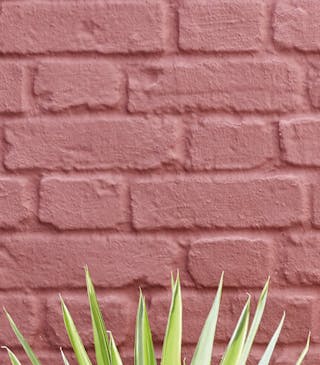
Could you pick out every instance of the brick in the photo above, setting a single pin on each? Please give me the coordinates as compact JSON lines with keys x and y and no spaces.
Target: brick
{"x":14,"y":202}
{"x":106,"y":27}
{"x":71,"y":203}
{"x":63,"y":85}
{"x":127,"y":357}
{"x":115,"y":308}
{"x":57,"y":261}
{"x":300,"y":141}
{"x":300,"y":260}
{"x":215,"y":144}
{"x":316,"y":205}
{"x":248,"y":86}
{"x":288,"y":14}
{"x":63,"y":143}
{"x":293,"y":353}
{"x":24,"y":311}
{"x":314,"y":85}
{"x":190,"y":203}
{"x":245,"y":262}
{"x":12,"y":99}
{"x":299,"y":317}
{"x":220,"y":25}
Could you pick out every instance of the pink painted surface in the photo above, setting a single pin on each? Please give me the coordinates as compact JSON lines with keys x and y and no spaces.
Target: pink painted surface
{"x":139,"y":137}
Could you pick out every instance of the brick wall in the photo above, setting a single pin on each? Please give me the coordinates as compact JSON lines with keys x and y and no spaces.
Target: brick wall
{"x":139,"y":137}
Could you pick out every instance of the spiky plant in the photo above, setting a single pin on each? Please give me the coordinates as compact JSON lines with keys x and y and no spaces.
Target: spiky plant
{"x":106,"y":353}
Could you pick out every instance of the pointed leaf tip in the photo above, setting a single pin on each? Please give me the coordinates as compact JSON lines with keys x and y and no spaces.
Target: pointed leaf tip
{"x":235,"y":347}
{"x":265,"y":359}
{"x":203,"y":352}
{"x":304,"y":351}
{"x":29,"y":352}
{"x":171,"y":350}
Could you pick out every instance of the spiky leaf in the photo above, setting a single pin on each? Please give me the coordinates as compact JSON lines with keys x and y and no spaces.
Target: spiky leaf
{"x":171,"y":352}
{"x":265,"y":359}
{"x":75,"y":340}
{"x":305,"y":351}
{"x":115,"y":356}
{"x":31,"y":355}
{"x":236,"y":344}
{"x":64,"y":359}
{"x":203,"y":352}
{"x":255,"y":324}
{"x":101,"y":342}
{"x":13,"y":358}
{"x":143,"y":350}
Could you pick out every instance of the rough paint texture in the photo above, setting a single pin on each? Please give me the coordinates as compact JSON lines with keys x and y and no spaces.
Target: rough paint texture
{"x":144,"y":136}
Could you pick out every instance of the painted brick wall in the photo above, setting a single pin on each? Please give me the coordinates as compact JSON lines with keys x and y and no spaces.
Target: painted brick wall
{"x":139,"y":137}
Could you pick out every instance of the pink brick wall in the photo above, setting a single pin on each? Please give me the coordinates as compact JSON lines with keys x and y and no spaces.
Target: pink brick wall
{"x":139,"y":137}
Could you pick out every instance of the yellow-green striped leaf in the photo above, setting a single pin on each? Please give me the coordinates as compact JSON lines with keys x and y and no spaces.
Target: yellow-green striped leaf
{"x":115,"y":356}
{"x":203,"y":352}
{"x":270,"y":348}
{"x":101,"y":342}
{"x":233,"y":352}
{"x":13,"y":358}
{"x":75,"y":340}
{"x":31,"y":355}
{"x":305,"y":351}
{"x":143,"y":350}
{"x":171,"y":352}
{"x":64,"y":359}
{"x":255,"y":324}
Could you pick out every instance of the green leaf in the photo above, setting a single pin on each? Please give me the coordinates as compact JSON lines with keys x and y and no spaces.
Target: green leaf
{"x":74,"y":337}
{"x":255,"y":324}
{"x":65,"y":361}
{"x":31,"y":355}
{"x":171,"y":352}
{"x":143,"y":350}
{"x":115,"y":357}
{"x":270,"y":348}
{"x":203,"y":352}
{"x":101,"y":342}
{"x":305,"y":351}
{"x":236,"y":344}
{"x":13,"y":358}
